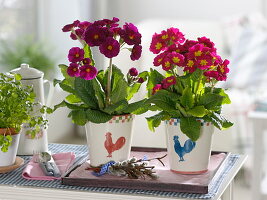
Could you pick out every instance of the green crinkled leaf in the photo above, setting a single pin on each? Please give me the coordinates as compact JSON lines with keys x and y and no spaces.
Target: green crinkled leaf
{"x":75,"y":106}
{"x":190,"y":127}
{"x":97,"y":116}
{"x":142,"y":110}
{"x":61,"y":104}
{"x":67,"y":88}
{"x":134,"y":106}
{"x":211,"y":101}
{"x":132,"y":90}
{"x":198,"y":111}
{"x":88,"y":53}
{"x":120,"y":91}
{"x":73,"y":99}
{"x":117,"y":107}
{"x":85,"y":91}
{"x":68,"y":79}
{"x":99,"y":93}
{"x":187,"y":99}
{"x":78,"y":117}
{"x":155,"y":120}
{"x":218,"y":121}
{"x":154,"y":78}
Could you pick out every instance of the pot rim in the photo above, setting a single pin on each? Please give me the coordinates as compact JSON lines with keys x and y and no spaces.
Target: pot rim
{"x":8,"y":131}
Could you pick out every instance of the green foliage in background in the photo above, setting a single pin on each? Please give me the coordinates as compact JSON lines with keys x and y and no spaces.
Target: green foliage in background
{"x":37,"y":54}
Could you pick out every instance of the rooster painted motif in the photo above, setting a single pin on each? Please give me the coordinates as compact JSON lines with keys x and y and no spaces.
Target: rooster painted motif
{"x":110,"y":147}
{"x":189,"y":145}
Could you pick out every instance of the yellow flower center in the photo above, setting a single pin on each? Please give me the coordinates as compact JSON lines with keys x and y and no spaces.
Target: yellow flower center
{"x":173,"y":37}
{"x":131,"y":37}
{"x":158,"y":46}
{"x":88,"y":70}
{"x":110,"y":47}
{"x":222,"y":69}
{"x":190,"y":63}
{"x":159,"y":60}
{"x":75,"y":69}
{"x":167,"y":64}
{"x":77,"y":55}
{"x":203,"y":62}
{"x":198,"y":53}
{"x":96,"y":36}
{"x":164,"y":37}
{"x":170,"y":80}
{"x":175,"y":59}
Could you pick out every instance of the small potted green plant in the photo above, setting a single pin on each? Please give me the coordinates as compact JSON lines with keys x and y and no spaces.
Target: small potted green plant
{"x":16,"y":107}
{"x":186,"y":97}
{"x":100,"y":100}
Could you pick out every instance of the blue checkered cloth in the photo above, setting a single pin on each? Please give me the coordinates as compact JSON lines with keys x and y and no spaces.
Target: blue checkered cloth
{"x":15,"y":178}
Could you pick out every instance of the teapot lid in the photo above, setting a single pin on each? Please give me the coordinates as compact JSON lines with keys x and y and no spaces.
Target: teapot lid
{"x":28,"y":72}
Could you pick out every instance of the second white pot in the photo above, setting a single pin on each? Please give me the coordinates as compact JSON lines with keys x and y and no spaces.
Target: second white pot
{"x":109,"y":141}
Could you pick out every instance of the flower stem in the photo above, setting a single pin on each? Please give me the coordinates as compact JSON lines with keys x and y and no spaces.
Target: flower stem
{"x":109,"y":82}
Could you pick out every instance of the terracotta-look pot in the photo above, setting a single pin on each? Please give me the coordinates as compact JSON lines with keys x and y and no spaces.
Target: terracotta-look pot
{"x":109,"y":141}
{"x":8,"y":158}
{"x":185,"y":155}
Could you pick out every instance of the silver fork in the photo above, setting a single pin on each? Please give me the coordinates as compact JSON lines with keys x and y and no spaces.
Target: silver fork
{"x":37,"y":157}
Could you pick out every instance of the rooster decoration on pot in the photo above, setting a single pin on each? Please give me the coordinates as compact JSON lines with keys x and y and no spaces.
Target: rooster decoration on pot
{"x":189,"y":145}
{"x":110,"y":146}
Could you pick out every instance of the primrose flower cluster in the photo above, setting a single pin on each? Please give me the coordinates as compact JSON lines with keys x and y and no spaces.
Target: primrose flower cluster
{"x":175,"y":51}
{"x":107,"y":36}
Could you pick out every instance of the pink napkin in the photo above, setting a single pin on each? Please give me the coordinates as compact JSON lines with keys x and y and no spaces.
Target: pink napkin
{"x":33,"y":171}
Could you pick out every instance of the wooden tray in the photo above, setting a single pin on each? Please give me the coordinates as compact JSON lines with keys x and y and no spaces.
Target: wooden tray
{"x":168,"y":181}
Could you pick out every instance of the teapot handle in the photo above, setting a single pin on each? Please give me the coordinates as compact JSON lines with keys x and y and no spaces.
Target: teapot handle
{"x":49,"y":96}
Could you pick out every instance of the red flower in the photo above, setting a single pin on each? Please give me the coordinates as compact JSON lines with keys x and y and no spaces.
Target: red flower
{"x":110,"y":48}
{"x":176,"y":58}
{"x":95,"y":35}
{"x":76,"y":54}
{"x":167,"y":82}
{"x":156,"y":88}
{"x":175,"y":35}
{"x":133,"y":71}
{"x":158,"y":60}
{"x":88,"y":72}
{"x":73,"y":70}
{"x":68,"y":27}
{"x":157,"y":45}
{"x":136,"y":52}
{"x":130,"y":34}
{"x":167,"y":64}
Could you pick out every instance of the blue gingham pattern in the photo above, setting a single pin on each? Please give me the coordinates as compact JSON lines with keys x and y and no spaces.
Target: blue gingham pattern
{"x":176,"y":122}
{"x":15,"y":178}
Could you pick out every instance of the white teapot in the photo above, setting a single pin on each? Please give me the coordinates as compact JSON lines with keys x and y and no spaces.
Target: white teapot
{"x":33,"y":77}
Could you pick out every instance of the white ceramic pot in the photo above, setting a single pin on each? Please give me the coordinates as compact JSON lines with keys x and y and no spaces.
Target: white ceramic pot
{"x":186,"y":156}
{"x":109,"y":141}
{"x":8,"y":158}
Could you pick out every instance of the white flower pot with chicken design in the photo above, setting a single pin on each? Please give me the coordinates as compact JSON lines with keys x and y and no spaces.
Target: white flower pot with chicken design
{"x":185,"y":155}
{"x":110,"y":141}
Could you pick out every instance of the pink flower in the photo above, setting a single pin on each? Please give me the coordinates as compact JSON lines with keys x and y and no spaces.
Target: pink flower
{"x":76,"y":54}
{"x":79,"y":32}
{"x":130,"y":34}
{"x":86,"y":61}
{"x":140,"y":80}
{"x":110,"y":48}
{"x":176,"y":58}
{"x":190,"y":66}
{"x":136,"y":52}
{"x":184,"y":48}
{"x":158,"y":60}
{"x":167,"y":82}
{"x":175,"y":35}
{"x":212,"y":74}
{"x":167,"y":64}
{"x":73,"y":70}
{"x":156,"y":88}
{"x":68,"y":27}
{"x":157,"y":45}
{"x":88,"y":72}
{"x":83,"y":25}
{"x":204,"y":62}
{"x":196,"y":50}
{"x":95,"y":35}
{"x":207,"y":43}
{"x":133,"y":71}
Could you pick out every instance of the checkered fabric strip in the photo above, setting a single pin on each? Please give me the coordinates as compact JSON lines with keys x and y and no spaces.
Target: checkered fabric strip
{"x":175,"y":122}
{"x":121,"y":119}
{"x":15,"y":178}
